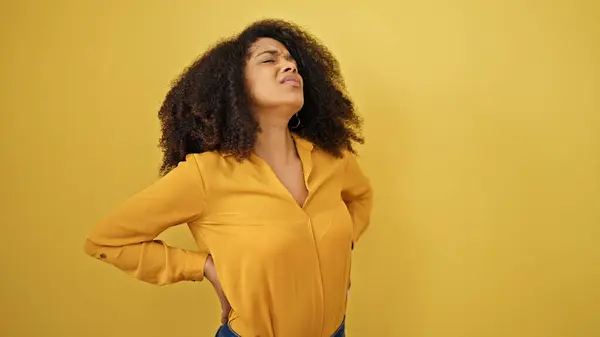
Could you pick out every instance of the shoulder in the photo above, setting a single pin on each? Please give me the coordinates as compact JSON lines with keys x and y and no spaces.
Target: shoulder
{"x":322,"y":154}
{"x":344,"y":156}
{"x":212,"y":162}
{"x":204,"y":157}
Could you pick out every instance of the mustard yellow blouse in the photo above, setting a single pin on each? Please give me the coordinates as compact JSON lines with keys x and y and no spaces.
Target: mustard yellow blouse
{"x":284,"y":268}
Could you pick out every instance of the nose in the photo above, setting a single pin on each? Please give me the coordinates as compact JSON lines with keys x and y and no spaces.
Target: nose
{"x":290,"y":67}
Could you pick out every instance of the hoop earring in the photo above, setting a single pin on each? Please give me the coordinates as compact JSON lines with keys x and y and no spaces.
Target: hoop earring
{"x":298,"y":123}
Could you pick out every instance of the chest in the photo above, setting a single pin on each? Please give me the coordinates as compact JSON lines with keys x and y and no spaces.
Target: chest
{"x":291,"y":177}
{"x":254,"y":190}
{"x":276,"y":208}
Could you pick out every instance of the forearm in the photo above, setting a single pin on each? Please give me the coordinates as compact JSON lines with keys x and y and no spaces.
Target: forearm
{"x":126,"y":237}
{"x":153,"y":261}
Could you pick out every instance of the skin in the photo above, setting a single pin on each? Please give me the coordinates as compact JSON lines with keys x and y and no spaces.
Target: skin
{"x":276,"y":92}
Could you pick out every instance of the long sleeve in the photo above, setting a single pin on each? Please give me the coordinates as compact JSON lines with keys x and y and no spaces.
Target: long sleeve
{"x":127,"y":240}
{"x":357,"y":194}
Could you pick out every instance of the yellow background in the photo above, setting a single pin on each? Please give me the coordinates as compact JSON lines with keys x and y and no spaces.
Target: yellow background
{"x":483,"y":127}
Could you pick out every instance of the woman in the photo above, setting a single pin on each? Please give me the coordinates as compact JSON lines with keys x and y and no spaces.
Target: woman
{"x":259,"y":162}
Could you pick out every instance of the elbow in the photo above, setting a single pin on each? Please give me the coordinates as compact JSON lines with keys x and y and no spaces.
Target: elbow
{"x":88,"y":247}
{"x":367,"y":199}
{"x":91,"y":249}
{"x":368,"y":191}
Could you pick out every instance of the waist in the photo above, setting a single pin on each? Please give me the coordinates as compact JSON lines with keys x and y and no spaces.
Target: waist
{"x":281,"y":302}
{"x":227,"y":331}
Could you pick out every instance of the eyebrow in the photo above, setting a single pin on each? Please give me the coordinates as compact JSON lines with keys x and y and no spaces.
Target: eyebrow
{"x":274,"y":53}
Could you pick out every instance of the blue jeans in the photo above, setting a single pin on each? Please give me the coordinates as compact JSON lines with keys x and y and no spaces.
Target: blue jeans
{"x":225,"y":331}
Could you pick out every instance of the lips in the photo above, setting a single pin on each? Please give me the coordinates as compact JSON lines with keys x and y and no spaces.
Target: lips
{"x":292,"y":80}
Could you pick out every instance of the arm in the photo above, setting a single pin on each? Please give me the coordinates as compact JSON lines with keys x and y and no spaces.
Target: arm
{"x":357,"y":194}
{"x":126,"y":238}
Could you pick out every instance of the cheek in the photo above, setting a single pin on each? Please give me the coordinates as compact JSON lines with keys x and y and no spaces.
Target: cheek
{"x":252,"y":87}
{"x":260,"y":89}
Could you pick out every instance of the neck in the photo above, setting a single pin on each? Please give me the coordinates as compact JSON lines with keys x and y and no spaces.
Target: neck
{"x":275,"y":144}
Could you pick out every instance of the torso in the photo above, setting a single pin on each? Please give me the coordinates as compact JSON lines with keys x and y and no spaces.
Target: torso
{"x":292,"y":178}
{"x":284,"y":268}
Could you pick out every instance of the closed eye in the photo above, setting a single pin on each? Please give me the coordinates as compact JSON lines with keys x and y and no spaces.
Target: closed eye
{"x":268,"y":61}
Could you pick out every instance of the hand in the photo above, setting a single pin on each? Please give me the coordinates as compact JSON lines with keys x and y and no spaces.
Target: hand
{"x":210,"y":273}
{"x":348,"y":291}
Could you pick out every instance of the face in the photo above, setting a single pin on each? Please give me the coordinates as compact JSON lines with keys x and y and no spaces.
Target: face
{"x":272,"y":78}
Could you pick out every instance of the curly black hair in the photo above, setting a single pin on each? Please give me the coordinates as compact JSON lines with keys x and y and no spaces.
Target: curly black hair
{"x":208,"y":108}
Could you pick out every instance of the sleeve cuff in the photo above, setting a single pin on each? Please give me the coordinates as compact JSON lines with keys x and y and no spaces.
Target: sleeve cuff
{"x":194,"y":266}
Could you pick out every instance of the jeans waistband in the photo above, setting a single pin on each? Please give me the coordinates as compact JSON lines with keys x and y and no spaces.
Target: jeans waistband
{"x":226,"y":331}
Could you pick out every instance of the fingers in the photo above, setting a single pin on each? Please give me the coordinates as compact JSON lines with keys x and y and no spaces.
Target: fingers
{"x":225,"y":306}
{"x":211,"y":275}
{"x":225,"y":310}
{"x":224,"y":317}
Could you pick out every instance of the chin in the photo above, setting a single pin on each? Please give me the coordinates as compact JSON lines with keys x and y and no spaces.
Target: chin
{"x":294,"y":102}
{"x":297,"y":105}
